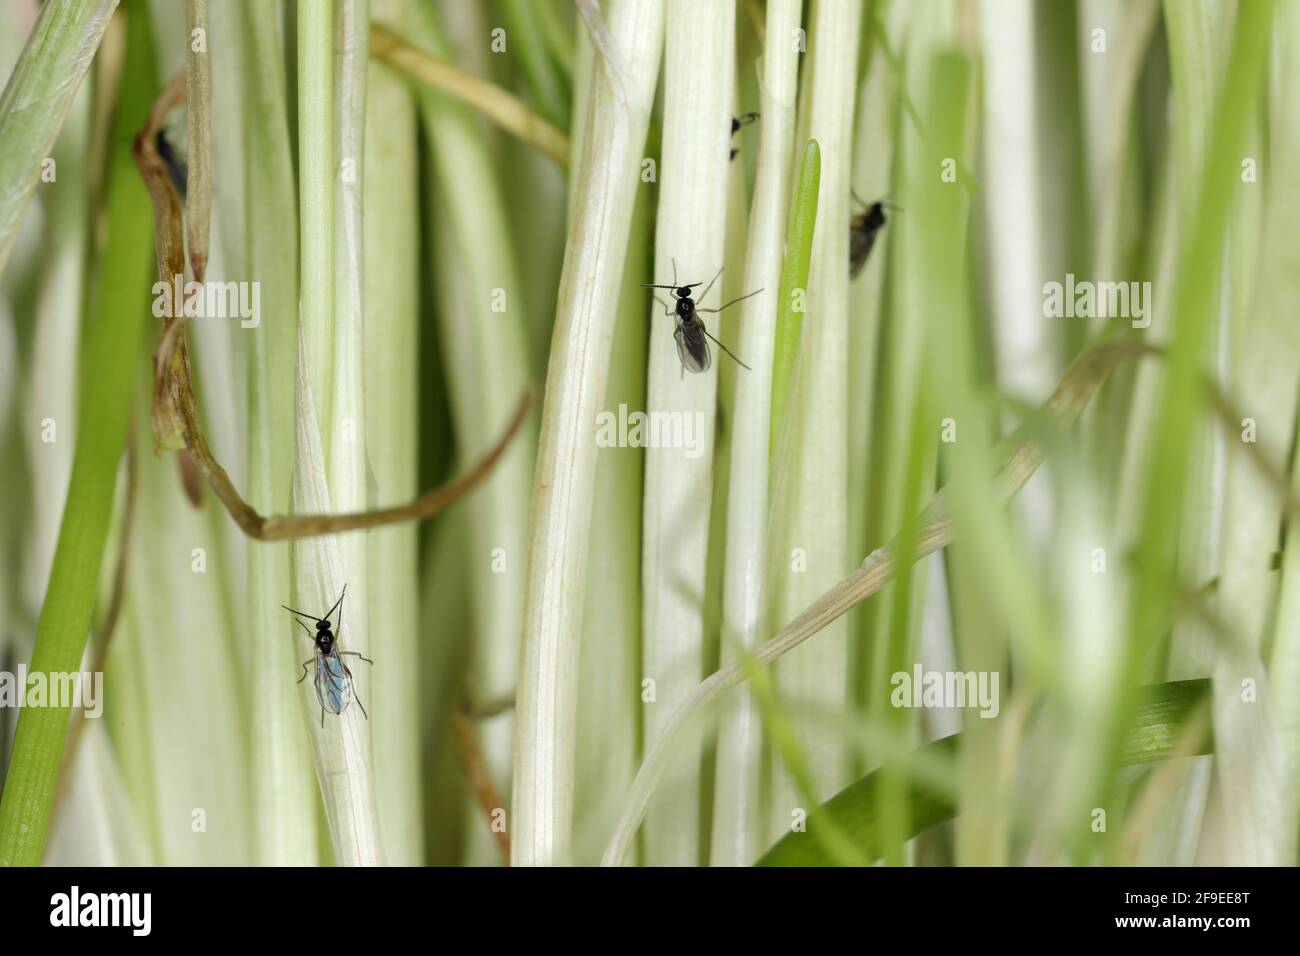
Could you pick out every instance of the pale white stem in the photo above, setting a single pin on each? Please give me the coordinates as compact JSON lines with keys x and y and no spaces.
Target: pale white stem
{"x":391,"y":307}
{"x":341,"y":743}
{"x":329,"y":477}
{"x":621,"y":97}
{"x":814,"y":491}
{"x":263,"y":216}
{"x":737,"y":829}
{"x":699,"y":53}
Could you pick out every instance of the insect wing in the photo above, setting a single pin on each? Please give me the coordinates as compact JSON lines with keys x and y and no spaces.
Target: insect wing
{"x":333,"y":683}
{"x":693,"y":348}
{"x":860,"y":243}
{"x":862,"y":237}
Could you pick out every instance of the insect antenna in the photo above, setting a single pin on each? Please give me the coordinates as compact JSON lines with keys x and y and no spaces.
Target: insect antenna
{"x":883,"y":201}
{"x":310,"y":617}
{"x":337,"y":603}
{"x":724,"y":348}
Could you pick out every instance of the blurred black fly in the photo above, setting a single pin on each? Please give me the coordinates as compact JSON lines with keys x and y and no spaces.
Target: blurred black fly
{"x":334,"y":683}
{"x":691,"y":335}
{"x":736,"y":123}
{"x":176,"y":168}
{"x":863,"y":229}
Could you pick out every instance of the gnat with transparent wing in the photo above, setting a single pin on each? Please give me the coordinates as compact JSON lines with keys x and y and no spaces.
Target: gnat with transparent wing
{"x":334,"y":683}
{"x":691,"y":335}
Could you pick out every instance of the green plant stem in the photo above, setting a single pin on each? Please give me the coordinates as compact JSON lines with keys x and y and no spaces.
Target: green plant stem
{"x":37,"y":98}
{"x":112,"y":346}
{"x":198,"y":118}
{"x":392,"y":355}
{"x":317,"y":169}
{"x":282,"y":778}
{"x":483,"y":336}
{"x":1079,"y":383}
{"x":526,"y":25}
{"x":811,"y":490}
{"x":1199,"y":257}
{"x":794,"y":282}
{"x":1154,"y":734}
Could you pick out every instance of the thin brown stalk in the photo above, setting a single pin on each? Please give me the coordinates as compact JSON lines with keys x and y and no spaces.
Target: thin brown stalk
{"x":175,"y":411}
{"x":492,"y":707}
{"x":286,"y":527}
{"x":480,"y":781}
{"x":169,"y":252}
{"x":1230,"y":417}
{"x":510,"y":113}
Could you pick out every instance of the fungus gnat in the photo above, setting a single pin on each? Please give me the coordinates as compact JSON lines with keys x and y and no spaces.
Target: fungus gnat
{"x":334,"y":684}
{"x":736,"y":123}
{"x":691,"y":335}
{"x":176,"y":168}
{"x":863,"y":229}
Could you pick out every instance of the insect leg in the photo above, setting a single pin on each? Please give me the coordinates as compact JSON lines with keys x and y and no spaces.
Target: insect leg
{"x":353,"y":681}
{"x":305,"y":628}
{"x":668,"y":309}
{"x":355,"y":654}
{"x":709,"y":286}
{"x":304,"y":670}
{"x":732,"y":302}
{"x":724,"y":348}
{"x":322,"y":717}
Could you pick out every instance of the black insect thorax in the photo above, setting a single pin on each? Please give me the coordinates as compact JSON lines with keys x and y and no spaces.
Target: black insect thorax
{"x":685,"y":305}
{"x":874,"y":217}
{"x":324,"y":638}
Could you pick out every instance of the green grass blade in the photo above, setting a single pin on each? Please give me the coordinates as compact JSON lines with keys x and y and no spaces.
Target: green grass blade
{"x":111,"y":348}
{"x":1154,"y":734}
{"x":794,"y":276}
{"x":38,"y":97}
